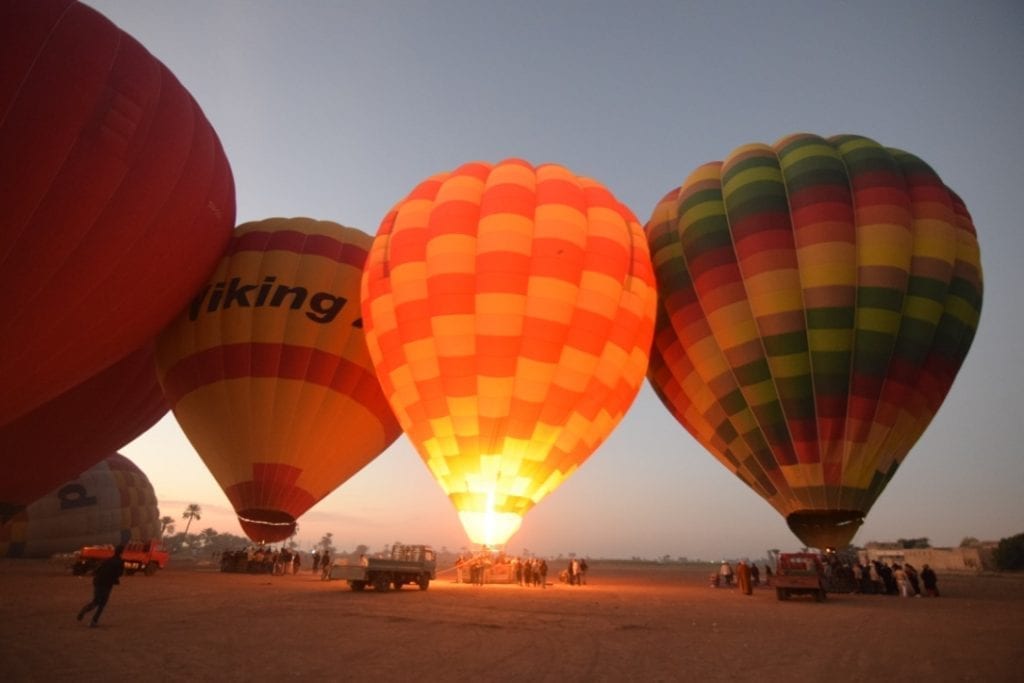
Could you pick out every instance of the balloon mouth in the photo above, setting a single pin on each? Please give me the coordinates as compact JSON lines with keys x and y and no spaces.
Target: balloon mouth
{"x":825,"y":528}
{"x":266,"y":526}
{"x":489,"y":528}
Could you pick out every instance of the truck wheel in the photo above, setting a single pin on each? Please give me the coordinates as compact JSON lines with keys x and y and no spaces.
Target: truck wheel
{"x":424,"y":582}
{"x":397,"y":584}
{"x":357,"y":585}
{"x":782,"y":594}
{"x":151,"y":568}
{"x":381,"y":583}
{"x":819,"y":596}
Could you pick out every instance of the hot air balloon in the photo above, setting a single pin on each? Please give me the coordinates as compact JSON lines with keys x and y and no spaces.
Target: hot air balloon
{"x":817,"y":298}
{"x":268,"y":374}
{"x":72,"y":432}
{"x":117,"y":199}
{"x":111,"y":502}
{"x":509,"y":311}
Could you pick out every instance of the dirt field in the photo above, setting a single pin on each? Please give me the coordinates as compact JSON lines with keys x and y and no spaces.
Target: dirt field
{"x":630,"y":623}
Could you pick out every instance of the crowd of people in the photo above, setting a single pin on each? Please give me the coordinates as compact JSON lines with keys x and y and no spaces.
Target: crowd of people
{"x":872,"y":577}
{"x":261,"y":559}
{"x":725,"y":576}
{"x":882,"y":578}
{"x":489,"y":567}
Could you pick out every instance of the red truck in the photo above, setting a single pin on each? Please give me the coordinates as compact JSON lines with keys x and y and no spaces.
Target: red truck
{"x":800,"y":574}
{"x":145,"y":556}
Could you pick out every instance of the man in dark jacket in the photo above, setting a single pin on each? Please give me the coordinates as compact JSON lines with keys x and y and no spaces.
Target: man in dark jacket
{"x":107,"y":576}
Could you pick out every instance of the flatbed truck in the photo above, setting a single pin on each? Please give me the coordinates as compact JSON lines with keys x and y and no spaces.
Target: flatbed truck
{"x":402,"y":564}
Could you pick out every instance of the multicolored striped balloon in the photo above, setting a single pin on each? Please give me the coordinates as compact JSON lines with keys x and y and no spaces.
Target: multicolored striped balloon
{"x":111,"y":502}
{"x":509,"y":311}
{"x":817,"y":299}
{"x":268,"y":374}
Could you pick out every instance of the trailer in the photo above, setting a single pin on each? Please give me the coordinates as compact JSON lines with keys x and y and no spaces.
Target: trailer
{"x":400,"y":565}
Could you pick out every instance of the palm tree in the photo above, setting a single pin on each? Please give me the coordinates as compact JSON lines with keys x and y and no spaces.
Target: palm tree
{"x":193,"y":511}
{"x":327,"y":542}
{"x":207,"y":536}
{"x":166,"y":526}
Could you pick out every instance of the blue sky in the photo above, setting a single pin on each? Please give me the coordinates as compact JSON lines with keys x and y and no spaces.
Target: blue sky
{"x":335,"y":110}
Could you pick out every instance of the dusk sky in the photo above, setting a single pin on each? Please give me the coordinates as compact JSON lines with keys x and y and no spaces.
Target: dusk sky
{"x":335,"y":110}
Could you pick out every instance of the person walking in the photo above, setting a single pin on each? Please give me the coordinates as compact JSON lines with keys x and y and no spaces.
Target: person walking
{"x":106,"y":576}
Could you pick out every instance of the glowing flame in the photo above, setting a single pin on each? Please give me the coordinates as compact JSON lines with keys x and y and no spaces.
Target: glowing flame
{"x":488,"y":527}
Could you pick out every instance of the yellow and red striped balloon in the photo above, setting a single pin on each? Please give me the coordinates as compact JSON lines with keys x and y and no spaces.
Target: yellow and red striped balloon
{"x":509,"y":311}
{"x":268,"y":374}
{"x":817,"y":298}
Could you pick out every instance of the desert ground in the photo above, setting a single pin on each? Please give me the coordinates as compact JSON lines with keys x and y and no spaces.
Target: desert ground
{"x":631,"y":622}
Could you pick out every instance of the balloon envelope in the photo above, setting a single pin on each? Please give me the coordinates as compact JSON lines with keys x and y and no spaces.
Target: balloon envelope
{"x":72,"y":432}
{"x":268,"y":374}
{"x":110,"y":503}
{"x":117,"y":199}
{"x":509,"y":311}
{"x":816,"y":300}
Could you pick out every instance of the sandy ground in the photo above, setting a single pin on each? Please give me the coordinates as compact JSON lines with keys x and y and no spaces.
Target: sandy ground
{"x":629,"y":623}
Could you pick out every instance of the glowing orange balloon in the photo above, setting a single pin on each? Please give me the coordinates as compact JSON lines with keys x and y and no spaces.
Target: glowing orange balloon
{"x":509,"y":310}
{"x":268,"y":374}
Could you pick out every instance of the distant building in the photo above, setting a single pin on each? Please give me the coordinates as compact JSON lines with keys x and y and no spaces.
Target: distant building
{"x":973,"y":559}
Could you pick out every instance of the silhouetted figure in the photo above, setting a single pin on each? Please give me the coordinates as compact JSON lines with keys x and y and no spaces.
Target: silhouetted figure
{"x":914,"y":578}
{"x":325,"y":566}
{"x":930,"y":581}
{"x":107,"y":575}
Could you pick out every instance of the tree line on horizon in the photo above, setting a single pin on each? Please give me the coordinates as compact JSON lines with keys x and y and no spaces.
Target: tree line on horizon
{"x":1008,"y":554}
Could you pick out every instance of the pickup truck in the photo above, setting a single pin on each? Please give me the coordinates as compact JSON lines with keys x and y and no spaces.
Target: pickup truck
{"x":800,"y":574}
{"x":402,"y":564}
{"x":147,"y":556}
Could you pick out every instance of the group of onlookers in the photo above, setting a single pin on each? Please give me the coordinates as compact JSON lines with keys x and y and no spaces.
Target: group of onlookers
{"x":576,"y":573}
{"x":870,"y":578}
{"x":487,"y":567}
{"x":726,"y":575}
{"x":881,"y":578}
{"x":261,"y":559}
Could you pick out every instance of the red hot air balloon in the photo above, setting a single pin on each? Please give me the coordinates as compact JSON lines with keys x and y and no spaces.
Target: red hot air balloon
{"x":269,"y":376}
{"x":116,"y":198}
{"x":72,"y":432}
{"x":816,"y":300}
